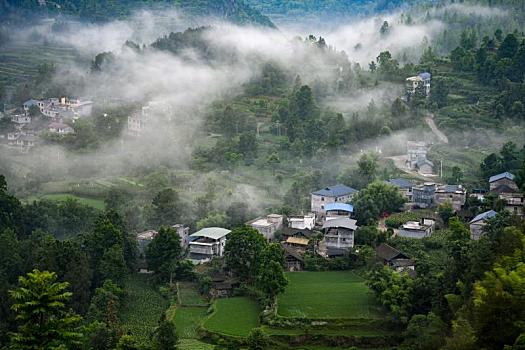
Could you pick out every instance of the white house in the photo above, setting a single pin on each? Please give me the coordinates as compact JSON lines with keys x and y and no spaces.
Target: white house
{"x":302,"y":222}
{"x":60,"y":128}
{"x":207,"y":243}
{"x":332,"y":194}
{"x":338,"y":236}
{"x":21,"y":118}
{"x":419,"y":82}
{"x":268,"y":225}
{"x":184,"y":234}
{"x":415,"y":229}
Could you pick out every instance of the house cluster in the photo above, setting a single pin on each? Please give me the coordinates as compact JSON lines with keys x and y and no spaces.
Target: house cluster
{"x":24,"y":130}
{"x":417,"y":158}
{"x":506,"y":189}
{"x":419,"y":84}
{"x":430,"y":194}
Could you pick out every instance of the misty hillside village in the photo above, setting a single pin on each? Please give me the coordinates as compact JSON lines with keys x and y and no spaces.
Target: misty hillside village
{"x":256,"y":175}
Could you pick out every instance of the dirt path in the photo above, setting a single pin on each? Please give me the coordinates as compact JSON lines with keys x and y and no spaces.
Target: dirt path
{"x":430,"y":122}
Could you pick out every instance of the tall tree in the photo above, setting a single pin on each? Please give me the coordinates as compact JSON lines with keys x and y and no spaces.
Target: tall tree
{"x":40,"y":307}
{"x":243,"y":252}
{"x":163,"y":253}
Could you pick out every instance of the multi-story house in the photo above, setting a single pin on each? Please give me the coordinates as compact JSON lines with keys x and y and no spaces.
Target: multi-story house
{"x":332,"y":194}
{"x":207,"y":243}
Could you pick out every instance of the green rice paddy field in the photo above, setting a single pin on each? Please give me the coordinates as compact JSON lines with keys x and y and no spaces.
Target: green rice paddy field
{"x":234,"y":316}
{"x":327,"y":294}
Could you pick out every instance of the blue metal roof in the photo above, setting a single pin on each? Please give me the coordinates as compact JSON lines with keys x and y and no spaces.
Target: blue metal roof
{"x":335,"y":191}
{"x":501,"y":176}
{"x":425,"y":76}
{"x":486,"y":215}
{"x":339,"y":206}
{"x":401,"y":183}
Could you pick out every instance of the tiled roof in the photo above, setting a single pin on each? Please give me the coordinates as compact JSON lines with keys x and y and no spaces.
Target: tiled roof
{"x":502,"y":176}
{"x":401,"y":183}
{"x":483,"y":216}
{"x":335,"y":191}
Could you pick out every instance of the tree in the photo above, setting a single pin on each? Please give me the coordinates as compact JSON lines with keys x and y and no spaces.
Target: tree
{"x":164,"y":252}
{"x":165,"y":337}
{"x":128,"y":342}
{"x":257,"y":340}
{"x":165,"y":208}
{"x":425,"y":332}
{"x":367,"y":165}
{"x":271,"y":280}
{"x":445,"y":211}
{"x":213,"y":220}
{"x":112,"y":264}
{"x":243,"y":252}
{"x":463,"y":336}
{"x":377,"y":198}
{"x":398,"y":108}
{"x":508,"y":47}
{"x":40,"y":307}
{"x":385,"y":28}
{"x":498,"y":305}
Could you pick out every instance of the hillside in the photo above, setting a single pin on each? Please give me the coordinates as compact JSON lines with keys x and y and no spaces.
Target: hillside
{"x":232,"y":10}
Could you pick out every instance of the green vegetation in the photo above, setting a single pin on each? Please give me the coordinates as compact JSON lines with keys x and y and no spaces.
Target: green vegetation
{"x":194,"y":344}
{"x":235,"y":316}
{"x":142,"y":308}
{"x":189,"y":295}
{"x":94,"y":203}
{"x":330,"y":294}
{"x":188,"y":320}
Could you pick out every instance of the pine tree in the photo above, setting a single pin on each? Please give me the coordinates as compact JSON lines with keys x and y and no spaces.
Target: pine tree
{"x":40,"y":307}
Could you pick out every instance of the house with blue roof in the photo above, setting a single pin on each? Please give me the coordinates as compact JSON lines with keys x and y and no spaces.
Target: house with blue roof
{"x":418,"y":84}
{"x":338,"y":210}
{"x":332,"y":194}
{"x":404,"y":186}
{"x":507,"y":190}
{"x":503,"y":179}
{"x":477,"y":225}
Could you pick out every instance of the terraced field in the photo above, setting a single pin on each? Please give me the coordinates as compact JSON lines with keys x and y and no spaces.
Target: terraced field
{"x":19,"y":62}
{"x":233,"y":316}
{"x":142,"y":308}
{"x":329,"y":294}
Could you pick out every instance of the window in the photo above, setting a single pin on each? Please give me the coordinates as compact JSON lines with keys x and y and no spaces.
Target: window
{"x":322,"y":199}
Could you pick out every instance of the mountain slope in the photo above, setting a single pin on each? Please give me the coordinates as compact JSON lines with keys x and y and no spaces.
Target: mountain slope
{"x":235,"y":11}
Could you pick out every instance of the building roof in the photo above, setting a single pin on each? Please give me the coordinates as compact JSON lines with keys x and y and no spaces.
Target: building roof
{"x":425,"y":75}
{"x":401,"y":183}
{"x":30,"y":102}
{"x":288,"y":250}
{"x":505,"y":175}
{"x":211,"y":232}
{"x":414,"y":226}
{"x":339,"y":206}
{"x":297,"y":240}
{"x":421,"y":162}
{"x":451,"y":189}
{"x":341,"y":222}
{"x":388,"y":252}
{"x":335,"y":191}
{"x":150,"y":234}
{"x":58,"y":125}
{"x":483,"y":216}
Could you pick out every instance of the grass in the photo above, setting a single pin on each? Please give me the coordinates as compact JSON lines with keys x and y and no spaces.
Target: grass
{"x":233,"y":316}
{"x":194,"y":344}
{"x":187,"y":320}
{"x":189,"y":295}
{"x":95,"y":203}
{"x":331,"y":294}
{"x":142,"y":308}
